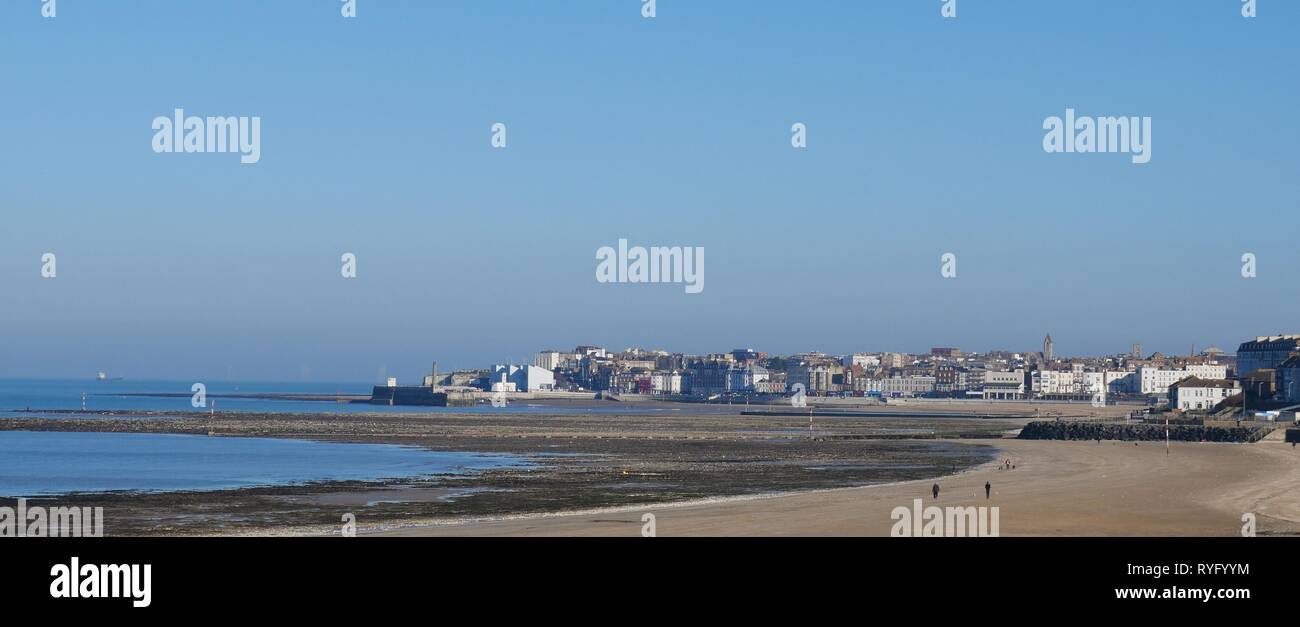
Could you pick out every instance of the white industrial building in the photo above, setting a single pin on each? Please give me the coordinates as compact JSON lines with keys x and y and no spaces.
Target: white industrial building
{"x":511,"y":378}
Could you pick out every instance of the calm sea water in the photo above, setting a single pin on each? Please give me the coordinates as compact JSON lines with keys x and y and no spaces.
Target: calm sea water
{"x":33,"y":464}
{"x":21,"y":394}
{"x":45,"y":463}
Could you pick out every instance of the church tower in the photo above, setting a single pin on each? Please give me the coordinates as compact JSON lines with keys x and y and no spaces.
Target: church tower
{"x":1047,"y":348}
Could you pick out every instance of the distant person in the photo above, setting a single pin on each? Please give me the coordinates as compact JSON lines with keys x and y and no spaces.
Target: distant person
{"x":988,"y":487}
{"x":935,"y":490}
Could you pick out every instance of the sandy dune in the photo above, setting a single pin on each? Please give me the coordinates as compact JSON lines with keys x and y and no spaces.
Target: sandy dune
{"x":1057,"y":489}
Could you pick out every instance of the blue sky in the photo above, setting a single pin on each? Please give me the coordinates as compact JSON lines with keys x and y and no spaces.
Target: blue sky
{"x":925,"y":137}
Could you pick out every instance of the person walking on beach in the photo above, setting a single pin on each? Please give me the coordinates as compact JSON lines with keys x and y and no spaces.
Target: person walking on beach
{"x":988,"y":487}
{"x":935,"y":489}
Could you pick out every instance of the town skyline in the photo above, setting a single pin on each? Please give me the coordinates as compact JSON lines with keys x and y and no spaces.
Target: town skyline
{"x":1267,"y":368}
{"x":417,"y":366}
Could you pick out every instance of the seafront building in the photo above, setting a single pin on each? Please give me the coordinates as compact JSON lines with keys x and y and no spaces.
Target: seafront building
{"x":1266,"y":352}
{"x":1003,"y":386}
{"x":1197,"y":394}
{"x":1156,"y":381}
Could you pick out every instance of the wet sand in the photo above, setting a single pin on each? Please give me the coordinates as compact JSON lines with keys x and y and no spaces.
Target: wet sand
{"x":1057,"y":489}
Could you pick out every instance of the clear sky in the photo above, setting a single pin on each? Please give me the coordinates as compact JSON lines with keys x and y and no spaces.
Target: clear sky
{"x":924,"y":137}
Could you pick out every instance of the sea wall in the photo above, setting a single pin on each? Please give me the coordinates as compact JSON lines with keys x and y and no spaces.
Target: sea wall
{"x":1081,"y":430}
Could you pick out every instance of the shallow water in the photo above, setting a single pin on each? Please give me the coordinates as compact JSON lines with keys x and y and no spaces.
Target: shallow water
{"x":47,"y":463}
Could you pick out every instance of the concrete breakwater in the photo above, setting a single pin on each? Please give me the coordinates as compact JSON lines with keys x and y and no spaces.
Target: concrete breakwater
{"x":413,"y":395}
{"x":461,"y":397}
{"x":1079,"y":430}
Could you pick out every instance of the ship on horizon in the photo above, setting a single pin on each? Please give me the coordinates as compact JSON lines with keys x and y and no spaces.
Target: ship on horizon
{"x":103,"y":376}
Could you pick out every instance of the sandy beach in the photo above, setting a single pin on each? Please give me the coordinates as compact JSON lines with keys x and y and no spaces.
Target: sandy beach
{"x":719,"y":473}
{"x":1057,"y":489}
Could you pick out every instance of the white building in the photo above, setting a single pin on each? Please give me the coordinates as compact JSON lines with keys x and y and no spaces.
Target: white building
{"x":1156,"y":381}
{"x":513,"y":378}
{"x":1200,"y":394}
{"x":548,"y":360}
{"x":666,"y":382}
{"x":1073,"y":382}
{"x":1004,"y":385}
{"x":1121,"y":382}
{"x":861,"y":359}
{"x":1213,"y":372}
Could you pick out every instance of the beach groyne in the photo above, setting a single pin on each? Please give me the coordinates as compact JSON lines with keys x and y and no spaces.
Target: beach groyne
{"x":1081,"y":430}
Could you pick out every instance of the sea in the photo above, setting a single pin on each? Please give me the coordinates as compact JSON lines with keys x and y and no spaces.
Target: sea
{"x":52,"y":463}
{"x":17,"y":395}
